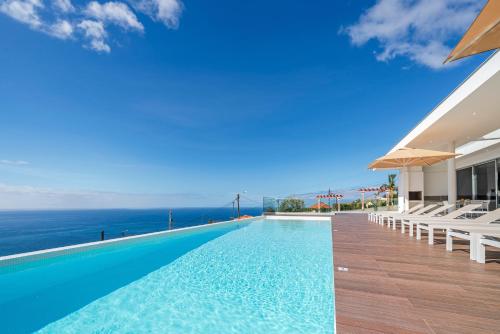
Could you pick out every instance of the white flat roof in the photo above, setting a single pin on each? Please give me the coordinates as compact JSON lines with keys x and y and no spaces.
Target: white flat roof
{"x":470,"y":113}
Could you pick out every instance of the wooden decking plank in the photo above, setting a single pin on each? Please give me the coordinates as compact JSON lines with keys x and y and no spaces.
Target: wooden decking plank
{"x":396,"y":284}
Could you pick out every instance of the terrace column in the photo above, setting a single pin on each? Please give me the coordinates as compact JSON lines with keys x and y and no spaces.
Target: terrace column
{"x":452,"y":176}
{"x":407,"y":189}
{"x":403,"y":188}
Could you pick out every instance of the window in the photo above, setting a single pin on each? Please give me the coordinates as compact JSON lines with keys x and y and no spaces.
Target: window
{"x":498,"y":183}
{"x":485,"y":183}
{"x":464,"y":183}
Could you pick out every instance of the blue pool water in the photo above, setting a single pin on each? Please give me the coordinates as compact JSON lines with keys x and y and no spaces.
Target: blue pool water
{"x":265,"y":276}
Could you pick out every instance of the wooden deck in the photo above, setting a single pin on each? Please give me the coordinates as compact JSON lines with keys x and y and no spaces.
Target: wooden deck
{"x":400,"y":285}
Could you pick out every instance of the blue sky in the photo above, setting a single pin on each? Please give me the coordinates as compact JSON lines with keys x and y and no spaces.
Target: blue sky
{"x":153,"y":103}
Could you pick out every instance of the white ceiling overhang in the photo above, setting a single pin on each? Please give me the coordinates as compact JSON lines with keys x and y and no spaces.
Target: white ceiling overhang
{"x":468,"y":117}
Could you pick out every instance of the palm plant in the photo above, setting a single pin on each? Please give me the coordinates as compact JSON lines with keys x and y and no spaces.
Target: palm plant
{"x":391,"y":187}
{"x":377,"y":195}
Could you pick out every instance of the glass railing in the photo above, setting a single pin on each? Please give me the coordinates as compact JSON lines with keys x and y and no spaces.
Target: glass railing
{"x":312,"y":205}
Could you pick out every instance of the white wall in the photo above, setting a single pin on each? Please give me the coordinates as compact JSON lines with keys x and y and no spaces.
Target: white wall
{"x":402,"y":190}
{"x":436,"y":180}
{"x":410,"y":179}
{"x":416,"y":179}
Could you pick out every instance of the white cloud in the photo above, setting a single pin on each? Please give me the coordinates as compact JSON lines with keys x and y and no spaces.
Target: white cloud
{"x":25,"y":11}
{"x":169,"y":11}
{"x":114,"y":12}
{"x":61,"y":29}
{"x":417,"y":29}
{"x":166,"y":11}
{"x":13,"y":162}
{"x":95,"y":32}
{"x":64,"y":6}
{"x":90,"y":20}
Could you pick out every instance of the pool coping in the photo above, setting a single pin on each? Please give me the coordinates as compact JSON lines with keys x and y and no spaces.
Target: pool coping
{"x":14,"y":258}
{"x":305,"y":214}
{"x":293,"y":217}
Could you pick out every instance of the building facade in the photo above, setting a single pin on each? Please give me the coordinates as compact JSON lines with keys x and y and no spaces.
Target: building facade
{"x":466,"y":122}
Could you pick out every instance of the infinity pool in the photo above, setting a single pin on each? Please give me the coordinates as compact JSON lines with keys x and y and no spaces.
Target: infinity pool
{"x":262,"y":276}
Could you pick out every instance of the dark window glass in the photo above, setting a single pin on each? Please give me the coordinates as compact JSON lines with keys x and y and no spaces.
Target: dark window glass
{"x":498,"y":183}
{"x":464,"y":183}
{"x":484,"y":177}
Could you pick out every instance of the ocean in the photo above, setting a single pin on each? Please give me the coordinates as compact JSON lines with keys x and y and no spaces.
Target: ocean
{"x":26,"y":231}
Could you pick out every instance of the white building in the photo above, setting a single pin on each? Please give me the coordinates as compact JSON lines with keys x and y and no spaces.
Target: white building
{"x":467,"y":122}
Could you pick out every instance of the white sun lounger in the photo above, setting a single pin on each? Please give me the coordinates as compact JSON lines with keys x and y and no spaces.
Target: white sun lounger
{"x":408,"y":220}
{"x":473,"y":235}
{"x":377,"y":216}
{"x":398,"y":216}
{"x":381,"y":217}
{"x":411,"y":222}
{"x":444,"y":224}
{"x":416,"y":210}
{"x":374,"y":216}
{"x":486,"y":240}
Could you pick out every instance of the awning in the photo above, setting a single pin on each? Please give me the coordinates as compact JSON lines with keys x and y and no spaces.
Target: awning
{"x":483,"y":34}
{"x":409,"y":157}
